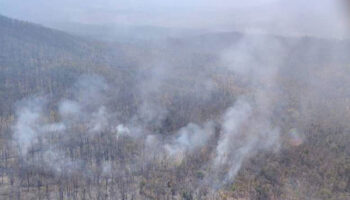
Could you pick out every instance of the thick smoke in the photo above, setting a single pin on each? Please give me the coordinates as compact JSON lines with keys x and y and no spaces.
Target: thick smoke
{"x":245,"y":127}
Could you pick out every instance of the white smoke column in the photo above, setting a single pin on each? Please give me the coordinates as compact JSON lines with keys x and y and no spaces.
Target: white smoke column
{"x":85,"y":109}
{"x":243,"y":135}
{"x":176,"y":147}
{"x":189,"y":138}
{"x":121,"y":130}
{"x":99,"y":120}
{"x":69,"y":108}
{"x":26,"y":128}
{"x":246,"y":126}
{"x":232,"y":122}
{"x":30,"y":134}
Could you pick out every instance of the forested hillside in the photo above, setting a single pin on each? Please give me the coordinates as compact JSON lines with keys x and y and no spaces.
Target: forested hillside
{"x":36,"y":59}
{"x":210,"y":116}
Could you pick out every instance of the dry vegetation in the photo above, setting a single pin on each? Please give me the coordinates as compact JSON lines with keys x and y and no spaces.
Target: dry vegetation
{"x":309,"y":102}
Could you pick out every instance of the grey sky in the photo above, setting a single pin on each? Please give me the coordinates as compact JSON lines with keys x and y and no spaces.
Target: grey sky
{"x":324,"y":18}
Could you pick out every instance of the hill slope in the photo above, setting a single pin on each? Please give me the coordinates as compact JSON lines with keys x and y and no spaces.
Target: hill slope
{"x":81,"y":119}
{"x":34,"y":59}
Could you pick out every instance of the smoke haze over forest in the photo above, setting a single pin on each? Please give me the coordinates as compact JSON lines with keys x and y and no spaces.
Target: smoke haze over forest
{"x":174,"y":99}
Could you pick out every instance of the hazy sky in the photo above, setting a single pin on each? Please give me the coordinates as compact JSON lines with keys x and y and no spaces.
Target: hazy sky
{"x":323,"y":18}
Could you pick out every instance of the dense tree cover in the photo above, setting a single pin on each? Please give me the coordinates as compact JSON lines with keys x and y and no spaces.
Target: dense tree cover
{"x":312,"y":110}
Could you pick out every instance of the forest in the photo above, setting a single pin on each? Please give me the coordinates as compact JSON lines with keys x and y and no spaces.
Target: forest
{"x":216,"y":115}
